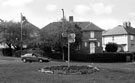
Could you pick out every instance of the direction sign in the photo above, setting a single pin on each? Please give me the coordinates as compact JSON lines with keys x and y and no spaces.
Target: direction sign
{"x":64,"y":35}
{"x":71,"y":38}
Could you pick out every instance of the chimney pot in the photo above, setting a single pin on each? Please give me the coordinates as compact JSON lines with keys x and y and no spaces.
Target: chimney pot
{"x":125,"y":24}
{"x":71,"y":19}
{"x":129,"y":24}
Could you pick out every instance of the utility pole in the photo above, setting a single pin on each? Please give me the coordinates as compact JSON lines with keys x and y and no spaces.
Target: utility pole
{"x":21,"y":32}
{"x":63,"y":56}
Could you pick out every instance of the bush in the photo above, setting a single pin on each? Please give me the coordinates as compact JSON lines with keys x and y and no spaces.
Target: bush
{"x":111,"y":47}
{"x":18,"y":53}
{"x":7,"y":51}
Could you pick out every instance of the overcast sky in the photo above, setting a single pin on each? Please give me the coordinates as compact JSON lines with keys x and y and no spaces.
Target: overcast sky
{"x":106,"y":14}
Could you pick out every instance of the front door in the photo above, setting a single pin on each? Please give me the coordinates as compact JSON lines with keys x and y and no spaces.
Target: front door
{"x":92,"y":47}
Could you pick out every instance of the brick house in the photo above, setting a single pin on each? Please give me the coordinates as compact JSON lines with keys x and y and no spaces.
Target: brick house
{"x":92,"y":38}
{"x":123,"y":35}
{"x":91,"y":35}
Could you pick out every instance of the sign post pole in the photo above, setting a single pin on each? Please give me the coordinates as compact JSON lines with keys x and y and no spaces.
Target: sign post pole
{"x":68,"y":53}
{"x":71,"y":39}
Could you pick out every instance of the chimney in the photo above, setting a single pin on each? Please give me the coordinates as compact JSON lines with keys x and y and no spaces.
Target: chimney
{"x":125,"y":24}
{"x":71,"y":19}
{"x":129,"y":24}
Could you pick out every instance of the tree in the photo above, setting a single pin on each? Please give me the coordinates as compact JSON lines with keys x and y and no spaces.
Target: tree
{"x":111,"y":47}
{"x":12,"y":34}
{"x":52,"y":34}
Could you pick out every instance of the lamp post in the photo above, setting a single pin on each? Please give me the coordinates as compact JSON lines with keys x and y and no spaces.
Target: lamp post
{"x":62,"y":33}
{"x":63,"y":13}
{"x":21,"y":32}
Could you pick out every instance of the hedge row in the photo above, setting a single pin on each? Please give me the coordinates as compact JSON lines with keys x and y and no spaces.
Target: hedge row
{"x":38,"y":51}
{"x":103,"y":57}
{"x":97,"y":57}
{"x":7,"y":52}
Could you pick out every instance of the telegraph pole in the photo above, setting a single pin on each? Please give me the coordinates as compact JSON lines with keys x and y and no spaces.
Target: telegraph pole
{"x":63,"y":56}
{"x":21,"y":33}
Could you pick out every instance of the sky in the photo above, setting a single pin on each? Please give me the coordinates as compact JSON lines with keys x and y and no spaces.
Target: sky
{"x":106,"y":14}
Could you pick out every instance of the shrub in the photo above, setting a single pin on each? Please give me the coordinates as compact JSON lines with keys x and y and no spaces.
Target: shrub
{"x":7,"y":51}
{"x":18,"y":53}
{"x":111,"y":47}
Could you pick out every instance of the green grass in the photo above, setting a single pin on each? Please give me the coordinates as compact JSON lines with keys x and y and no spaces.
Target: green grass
{"x":18,"y":72}
{"x":7,"y":58}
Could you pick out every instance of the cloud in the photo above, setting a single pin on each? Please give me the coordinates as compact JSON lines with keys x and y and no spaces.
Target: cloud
{"x":132,"y":14}
{"x":107,"y":23}
{"x":51,"y":7}
{"x":15,"y":3}
{"x":100,"y":8}
{"x":93,"y":8}
{"x":81,"y":9}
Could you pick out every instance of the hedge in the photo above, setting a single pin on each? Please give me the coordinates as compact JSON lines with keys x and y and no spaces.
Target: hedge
{"x":7,"y":52}
{"x":103,"y":57}
{"x":38,"y":51}
{"x":97,"y":57}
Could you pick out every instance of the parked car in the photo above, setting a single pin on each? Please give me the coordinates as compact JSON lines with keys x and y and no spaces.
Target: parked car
{"x":31,"y":57}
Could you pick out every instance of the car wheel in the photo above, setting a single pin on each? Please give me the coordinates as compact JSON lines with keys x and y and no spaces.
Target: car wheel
{"x":30,"y":61}
{"x":40,"y":61}
{"x":24,"y":60}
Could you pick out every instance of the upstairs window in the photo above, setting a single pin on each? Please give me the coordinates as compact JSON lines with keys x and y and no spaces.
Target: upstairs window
{"x":92,"y":34}
{"x":131,"y":37}
{"x":98,"y":44}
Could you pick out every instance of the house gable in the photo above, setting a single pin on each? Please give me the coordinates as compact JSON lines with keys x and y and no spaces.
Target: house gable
{"x":123,"y":35}
{"x":88,"y":26}
{"x":120,"y":30}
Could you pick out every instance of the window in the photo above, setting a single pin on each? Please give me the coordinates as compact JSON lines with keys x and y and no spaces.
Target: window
{"x":132,"y":44}
{"x":92,"y":34}
{"x":131,"y":37}
{"x":112,"y":38}
{"x":98,"y":44}
{"x":78,"y":47}
{"x":85,"y":44}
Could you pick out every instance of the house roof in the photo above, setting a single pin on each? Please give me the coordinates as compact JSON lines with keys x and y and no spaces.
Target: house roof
{"x":85,"y":26}
{"x":89,"y":26}
{"x":120,"y":30}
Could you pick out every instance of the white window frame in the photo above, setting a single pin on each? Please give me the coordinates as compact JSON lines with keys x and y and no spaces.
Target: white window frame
{"x":92,"y":34}
{"x":131,"y":37}
{"x":98,"y":44}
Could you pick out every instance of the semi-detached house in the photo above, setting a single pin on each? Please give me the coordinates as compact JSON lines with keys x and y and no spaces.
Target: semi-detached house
{"x":91,"y":35}
{"x":123,"y":35}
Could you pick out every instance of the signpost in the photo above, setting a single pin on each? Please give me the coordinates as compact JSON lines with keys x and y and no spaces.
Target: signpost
{"x":71,"y":39}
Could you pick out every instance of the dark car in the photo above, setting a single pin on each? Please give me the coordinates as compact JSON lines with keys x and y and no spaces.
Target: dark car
{"x":31,"y":57}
